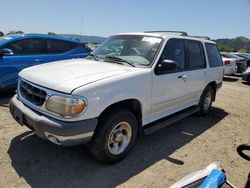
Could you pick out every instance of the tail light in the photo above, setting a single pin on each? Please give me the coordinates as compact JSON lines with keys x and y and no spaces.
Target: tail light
{"x":227,"y":62}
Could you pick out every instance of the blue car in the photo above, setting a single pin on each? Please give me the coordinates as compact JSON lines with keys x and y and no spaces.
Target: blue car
{"x":21,"y":51}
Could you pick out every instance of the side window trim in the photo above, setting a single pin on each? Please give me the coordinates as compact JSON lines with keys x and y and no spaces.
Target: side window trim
{"x":185,"y":59}
{"x":187,"y":55}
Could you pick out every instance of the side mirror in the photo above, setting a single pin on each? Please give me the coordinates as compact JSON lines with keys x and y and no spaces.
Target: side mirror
{"x":6,"y":52}
{"x":166,"y":66}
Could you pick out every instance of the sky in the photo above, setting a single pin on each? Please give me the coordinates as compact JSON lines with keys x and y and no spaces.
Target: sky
{"x":213,"y":18}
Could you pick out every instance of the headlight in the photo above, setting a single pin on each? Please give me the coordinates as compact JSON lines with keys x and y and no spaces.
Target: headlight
{"x":66,"y":106}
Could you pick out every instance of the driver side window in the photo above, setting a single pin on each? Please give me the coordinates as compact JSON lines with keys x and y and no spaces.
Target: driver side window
{"x":30,"y":46}
{"x":175,"y":51}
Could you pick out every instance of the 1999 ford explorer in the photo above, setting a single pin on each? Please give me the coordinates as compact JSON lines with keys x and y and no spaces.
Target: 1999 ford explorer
{"x":113,"y":96}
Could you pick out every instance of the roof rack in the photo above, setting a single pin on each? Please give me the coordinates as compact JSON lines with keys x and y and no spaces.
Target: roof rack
{"x":202,"y":37}
{"x":182,"y":33}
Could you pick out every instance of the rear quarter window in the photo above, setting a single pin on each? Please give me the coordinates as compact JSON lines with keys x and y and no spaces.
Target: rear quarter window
{"x":60,"y":46}
{"x":214,"y":56}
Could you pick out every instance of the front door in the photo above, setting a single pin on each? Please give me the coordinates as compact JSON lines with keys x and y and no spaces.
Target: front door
{"x":26,"y":53}
{"x":169,"y":88}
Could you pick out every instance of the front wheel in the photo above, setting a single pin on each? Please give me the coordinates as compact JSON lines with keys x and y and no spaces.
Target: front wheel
{"x":206,"y":100}
{"x":114,"y":137}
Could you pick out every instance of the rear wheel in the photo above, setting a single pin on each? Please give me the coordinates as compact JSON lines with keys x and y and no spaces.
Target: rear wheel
{"x":114,"y":137}
{"x":206,"y":100}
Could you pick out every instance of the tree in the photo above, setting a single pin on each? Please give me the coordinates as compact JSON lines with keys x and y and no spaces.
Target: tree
{"x":1,"y":34}
{"x":19,"y":32}
{"x":51,"y":33}
{"x":15,"y":32}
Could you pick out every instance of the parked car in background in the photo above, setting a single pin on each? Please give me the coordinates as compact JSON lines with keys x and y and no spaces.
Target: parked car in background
{"x":240,"y":62}
{"x":245,"y":56}
{"x":246,"y":75}
{"x":21,"y":51}
{"x":230,"y":66}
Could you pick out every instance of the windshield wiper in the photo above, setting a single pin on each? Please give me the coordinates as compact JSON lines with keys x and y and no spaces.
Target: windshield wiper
{"x":93,"y":56}
{"x":118,"y":60}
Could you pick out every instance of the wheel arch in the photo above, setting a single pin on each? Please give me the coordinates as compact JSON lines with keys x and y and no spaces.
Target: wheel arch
{"x":212,"y":84}
{"x":133,"y":105}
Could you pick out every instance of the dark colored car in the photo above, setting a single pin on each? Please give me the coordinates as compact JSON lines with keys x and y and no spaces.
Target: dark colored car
{"x":246,"y":75}
{"x":240,"y":62}
{"x":21,"y":51}
{"x":245,"y":56}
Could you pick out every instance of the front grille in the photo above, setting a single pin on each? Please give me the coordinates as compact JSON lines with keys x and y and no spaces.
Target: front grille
{"x":31,"y":93}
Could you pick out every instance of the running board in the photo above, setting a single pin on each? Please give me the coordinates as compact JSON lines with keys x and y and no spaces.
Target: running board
{"x":164,"y":122}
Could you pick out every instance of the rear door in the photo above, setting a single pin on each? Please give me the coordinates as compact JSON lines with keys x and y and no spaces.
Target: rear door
{"x":169,"y":88}
{"x":27,"y":52}
{"x":196,"y":66}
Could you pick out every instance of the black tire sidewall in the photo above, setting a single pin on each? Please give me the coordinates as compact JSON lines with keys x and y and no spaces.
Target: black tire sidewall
{"x":104,"y":129}
{"x":202,"y":111}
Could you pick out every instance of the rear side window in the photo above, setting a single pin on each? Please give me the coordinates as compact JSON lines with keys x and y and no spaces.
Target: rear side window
{"x":196,"y":57}
{"x":175,"y":50}
{"x":214,"y":56}
{"x":30,"y":46}
{"x":59,"y":46}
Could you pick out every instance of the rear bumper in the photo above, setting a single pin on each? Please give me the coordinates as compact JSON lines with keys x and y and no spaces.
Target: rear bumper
{"x":56,"y":131}
{"x":230,"y":70}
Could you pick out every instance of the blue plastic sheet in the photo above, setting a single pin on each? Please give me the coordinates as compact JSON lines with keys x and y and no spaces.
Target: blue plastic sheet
{"x":214,"y":180}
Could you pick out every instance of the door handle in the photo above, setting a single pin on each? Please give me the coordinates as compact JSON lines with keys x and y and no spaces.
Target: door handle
{"x":184,"y":77}
{"x":38,"y":60}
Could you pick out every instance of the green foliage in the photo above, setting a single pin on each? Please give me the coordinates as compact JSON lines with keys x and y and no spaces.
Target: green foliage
{"x":238,"y":44}
{"x":19,"y":32}
{"x":15,"y":32}
{"x":1,"y":34}
{"x":51,"y":33}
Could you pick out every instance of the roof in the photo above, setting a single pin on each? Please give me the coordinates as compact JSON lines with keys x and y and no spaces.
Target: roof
{"x":169,"y":34}
{"x":16,"y":36}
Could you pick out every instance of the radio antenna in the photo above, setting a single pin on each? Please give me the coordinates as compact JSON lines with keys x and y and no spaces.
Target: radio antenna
{"x":81,"y":30}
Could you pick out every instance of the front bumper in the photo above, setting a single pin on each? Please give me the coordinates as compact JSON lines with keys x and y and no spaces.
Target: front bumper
{"x":57,"y":131}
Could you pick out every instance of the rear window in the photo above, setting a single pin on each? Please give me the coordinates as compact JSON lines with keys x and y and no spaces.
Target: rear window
{"x":214,"y":56}
{"x":59,"y":46}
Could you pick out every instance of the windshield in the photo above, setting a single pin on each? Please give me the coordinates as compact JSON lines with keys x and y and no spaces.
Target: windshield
{"x":132,"y":49}
{"x":5,"y":38}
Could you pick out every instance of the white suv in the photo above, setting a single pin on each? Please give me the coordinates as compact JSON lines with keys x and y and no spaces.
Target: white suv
{"x":113,"y":96}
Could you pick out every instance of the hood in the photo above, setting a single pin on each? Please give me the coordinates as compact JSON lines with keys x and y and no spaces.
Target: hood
{"x":67,"y":75}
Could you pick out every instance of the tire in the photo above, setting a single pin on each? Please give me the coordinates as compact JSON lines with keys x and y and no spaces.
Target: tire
{"x":114,"y":137}
{"x":206,"y":101}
